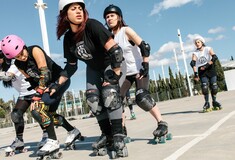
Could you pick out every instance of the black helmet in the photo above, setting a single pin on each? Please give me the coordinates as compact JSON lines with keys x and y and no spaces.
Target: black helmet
{"x":112,"y":9}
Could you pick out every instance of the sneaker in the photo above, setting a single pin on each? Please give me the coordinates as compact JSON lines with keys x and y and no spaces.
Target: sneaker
{"x":50,"y":146}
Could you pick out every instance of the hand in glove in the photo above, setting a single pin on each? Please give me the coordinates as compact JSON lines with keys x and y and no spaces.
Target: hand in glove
{"x":145,"y":71}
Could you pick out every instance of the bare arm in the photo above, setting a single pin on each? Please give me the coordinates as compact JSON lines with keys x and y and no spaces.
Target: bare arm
{"x":133,"y":36}
{"x":39,"y":57}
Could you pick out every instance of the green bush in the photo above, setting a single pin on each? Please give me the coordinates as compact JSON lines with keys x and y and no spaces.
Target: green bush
{"x":2,"y":113}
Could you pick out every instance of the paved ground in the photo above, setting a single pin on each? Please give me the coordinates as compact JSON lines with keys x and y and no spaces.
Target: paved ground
{"x":196,"y":135}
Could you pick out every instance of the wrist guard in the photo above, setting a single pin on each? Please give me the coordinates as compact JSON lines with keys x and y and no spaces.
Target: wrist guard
{"x":144,"y":72}
{"x":111,"y":77}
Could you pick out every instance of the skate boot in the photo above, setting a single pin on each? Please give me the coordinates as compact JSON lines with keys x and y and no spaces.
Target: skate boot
{"x":216,"y":105}
{"x":206,"y":107}
{"x":119,"y":146}
{"x":50,"y":150}
{"x":43,"y":140}
{"x":126,"y":139}
{"x":71,"y":138}
{"x":161,"y":133}
{"x":133,"y":116}
{"x":17,"y":145}
{"x":101,"y":146}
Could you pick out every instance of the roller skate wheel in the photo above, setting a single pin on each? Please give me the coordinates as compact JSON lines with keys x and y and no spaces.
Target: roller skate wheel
{"x":125,"y":152}
{"x":162,"y":139}
{"x":153,"y":141}
{"x":113,"y":154}
{"x":57,"y":155}
{"x":9,"y":154}
{"x":169,"y":136}
{"x":24,"y":150}
{"x":102,"y":152}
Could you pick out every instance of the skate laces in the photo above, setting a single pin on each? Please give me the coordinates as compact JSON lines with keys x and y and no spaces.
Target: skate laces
{"x":14,"y":143}
{"x":72,"y":134}
{"x":50,"y":143}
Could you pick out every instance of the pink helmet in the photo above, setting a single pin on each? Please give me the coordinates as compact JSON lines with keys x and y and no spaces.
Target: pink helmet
{"x":12,"y":45}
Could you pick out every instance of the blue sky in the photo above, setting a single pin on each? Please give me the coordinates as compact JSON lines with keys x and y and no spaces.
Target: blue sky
{"x":156,"y":21}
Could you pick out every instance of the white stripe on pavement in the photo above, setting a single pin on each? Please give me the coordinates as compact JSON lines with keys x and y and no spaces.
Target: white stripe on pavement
{"x":189,"y":145}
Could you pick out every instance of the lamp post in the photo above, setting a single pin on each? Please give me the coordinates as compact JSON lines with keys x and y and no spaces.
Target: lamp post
{"x":185,"y":64}
{"x":41,"y":6}
{"x":176,"y":61}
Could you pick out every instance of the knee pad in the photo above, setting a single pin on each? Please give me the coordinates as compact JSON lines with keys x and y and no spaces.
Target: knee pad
{"x":111,"y":97}
{"x":17,"y":116}
{"x":92,"y":98}
{"x":41,"y":114}
{"x":144,"y":100}
{"x":58,"y":120}
{"x":204,"y":88}
{"x":214,"y":88}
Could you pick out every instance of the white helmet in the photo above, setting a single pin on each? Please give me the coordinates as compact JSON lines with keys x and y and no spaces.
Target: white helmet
{"x":199,"y":38}
{"x":63,"y":3}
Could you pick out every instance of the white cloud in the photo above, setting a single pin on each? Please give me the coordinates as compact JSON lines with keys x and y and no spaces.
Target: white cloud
{"x":219,"y":37}
{"x":167,"y":47}
{"x":167,"y":4}
{"x":159,"y":62}
{"x":233,"y":28}
{"x":216,"y":30}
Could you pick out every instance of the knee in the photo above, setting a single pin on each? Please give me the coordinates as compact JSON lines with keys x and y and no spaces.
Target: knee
{"x":92,"y":98}
{"x":205,"y":88}
{"x":17,"y":116}
{"x":111,"y":97}
{"x":214,"y":88}
{"x":144,"y":100}
{"x":41,"y":114}
{"x":58,"y":120}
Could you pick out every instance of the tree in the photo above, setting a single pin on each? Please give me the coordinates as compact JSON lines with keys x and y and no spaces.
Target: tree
{"x":173,"y":86}
{"x":2,"y":113}
{"x":220,"y":76}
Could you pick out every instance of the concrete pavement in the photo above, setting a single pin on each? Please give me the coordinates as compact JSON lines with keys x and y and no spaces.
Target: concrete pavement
{"x":196,"y":135}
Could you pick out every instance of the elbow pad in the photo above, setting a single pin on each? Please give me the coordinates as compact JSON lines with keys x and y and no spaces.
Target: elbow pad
{"x":193,"y":63}
{"x":69,"y":70}
{"x":214,"y":58}
{"x":45,"y":77}
{"x":116,"y":55}
{"x":144,"y":49}
{"x":5,"y":76}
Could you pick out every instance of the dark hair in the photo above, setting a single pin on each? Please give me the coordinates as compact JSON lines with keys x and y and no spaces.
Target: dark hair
{"x":114,"y":9}
{"x":63,"y":24}
{"x":5,"y":66}
{"x":120,"y":23}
